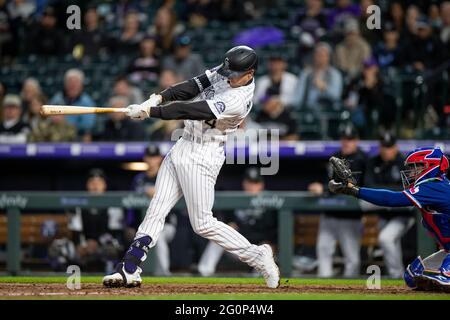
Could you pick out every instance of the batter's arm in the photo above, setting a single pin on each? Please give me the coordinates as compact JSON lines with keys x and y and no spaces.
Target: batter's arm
{"x":186,"y":90}
{"x":196,"y":110}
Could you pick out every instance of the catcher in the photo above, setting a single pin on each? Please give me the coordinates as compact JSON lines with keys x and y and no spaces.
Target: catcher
{"x":426,"y":187}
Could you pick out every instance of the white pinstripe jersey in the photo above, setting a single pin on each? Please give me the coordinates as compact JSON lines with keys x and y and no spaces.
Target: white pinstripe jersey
{"x":229,"y":105}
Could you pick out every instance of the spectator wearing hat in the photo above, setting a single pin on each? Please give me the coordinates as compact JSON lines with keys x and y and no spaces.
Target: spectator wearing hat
{"x":383,"y":171}
{"x":277,"y":82}
{"x":74,"y":95}
{"x":97,"y":234}
{"x":146,"y":67}
{"x":45,"y":38}
{"x":144,"y":183}
{"x":274,"y":116}
{"x":183,"y":61}
{"x":341,"y":226}
{"x":343,"y":10}
{"x":12,"y":128}
{"x":310,"y":24}
{"x":320,"y":84}
{"x":258,"y":225}
{"x":119,"y":127}
{"x":423,"y":50}
{"x":352,"y":50}
{"x":387,"y":52}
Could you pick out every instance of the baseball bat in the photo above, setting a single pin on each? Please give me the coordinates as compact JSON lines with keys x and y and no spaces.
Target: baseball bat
{"x":48,"y":110}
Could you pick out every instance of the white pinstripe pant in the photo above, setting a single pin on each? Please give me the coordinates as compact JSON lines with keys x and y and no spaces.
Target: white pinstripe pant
{"x":191,"y":169}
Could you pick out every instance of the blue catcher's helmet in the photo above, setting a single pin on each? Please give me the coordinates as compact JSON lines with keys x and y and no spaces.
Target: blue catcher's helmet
{"x":422,"y":164}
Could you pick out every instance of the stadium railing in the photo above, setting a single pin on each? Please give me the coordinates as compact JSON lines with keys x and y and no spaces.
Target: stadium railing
{"x":285,"y":203}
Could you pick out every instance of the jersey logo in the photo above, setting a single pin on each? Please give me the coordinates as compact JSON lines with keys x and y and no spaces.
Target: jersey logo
{"x":414,"y":190}
{"x":209,"y":93}
{"x":220,"y":106}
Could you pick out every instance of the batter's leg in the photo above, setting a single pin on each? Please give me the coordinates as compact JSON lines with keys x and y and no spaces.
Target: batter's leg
{"x":167,"y":193}
{"x":197,"y":170}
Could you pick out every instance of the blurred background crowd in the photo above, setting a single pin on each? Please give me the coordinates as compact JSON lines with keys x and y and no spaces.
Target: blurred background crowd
{"x":320,"y":65}
{"x":323,"y":75}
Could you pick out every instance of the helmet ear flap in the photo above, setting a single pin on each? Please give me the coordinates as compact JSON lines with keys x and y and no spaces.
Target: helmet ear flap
{"x":444,"y":164}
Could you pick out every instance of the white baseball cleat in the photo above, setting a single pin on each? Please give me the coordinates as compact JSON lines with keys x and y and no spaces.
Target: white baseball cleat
{"x":269,"y":268}
{"x":121,"y":278}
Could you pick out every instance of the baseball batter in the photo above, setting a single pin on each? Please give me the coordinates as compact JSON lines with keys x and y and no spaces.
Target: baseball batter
{"x":212,"y":105}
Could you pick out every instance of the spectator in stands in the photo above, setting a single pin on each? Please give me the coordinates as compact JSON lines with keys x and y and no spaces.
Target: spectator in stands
{"x":343,"y":227}
{"x":412,"y":16}
{"x":54,"y":129}
{"x":365,"y":100}
{"x":119,"y":127}
{"x":90,"y":40}
{"x":310,"y":25}
{"x":2,"y":92}
{"x":144,"y":183}
{"x":320,"y":84}
{"x":274,"y":116}
{"x":162,"y":130}
{"x":45,"y":38}
{"x":32,"y":115}
{"x":165,"y":29}
{"x":383,"y":171}
{"x":122,"y":8}
{"x":396,"y":15}
{"x":30,"y":90}
{"x":388,"y":51}
{"x":146,"y":67}
{"x":423,"y":50}
{"x":258,"y":225}
{"x":8,"y":37}
{"x":278,"y":81}
{"x":97,"y":233}
{"x":445,"y":28}
{"x":74,"y":95}
{"x":352,"y":50}
{"x":130,"y":36}
{"x":343,"y":11}
{"x":122,"y":87}
{"x":21,"y":9}
{"x":434,"y":16}
{"x":229,"y":10}
{"x":199,"y":12}
{"x":183,"y":61}
{"x":13,"y":129}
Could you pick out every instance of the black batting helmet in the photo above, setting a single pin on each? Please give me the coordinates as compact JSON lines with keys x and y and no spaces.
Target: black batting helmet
{"x":238,"y":60}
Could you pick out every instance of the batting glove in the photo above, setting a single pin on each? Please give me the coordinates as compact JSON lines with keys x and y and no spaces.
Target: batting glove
{"x":138,"y":112}
{"x":142,"y":111}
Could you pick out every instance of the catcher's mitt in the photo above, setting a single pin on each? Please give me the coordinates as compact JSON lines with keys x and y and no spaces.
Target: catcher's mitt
{"x":342,"y":172}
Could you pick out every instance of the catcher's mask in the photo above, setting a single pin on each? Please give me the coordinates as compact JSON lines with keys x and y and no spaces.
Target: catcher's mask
{"x":422,"y":164}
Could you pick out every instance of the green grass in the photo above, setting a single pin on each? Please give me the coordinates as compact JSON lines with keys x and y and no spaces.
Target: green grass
{"x":369,"y":295}
{"x":201,"y":280}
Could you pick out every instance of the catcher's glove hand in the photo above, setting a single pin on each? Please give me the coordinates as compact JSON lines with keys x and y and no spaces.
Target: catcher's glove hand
{"x":344,"y":182}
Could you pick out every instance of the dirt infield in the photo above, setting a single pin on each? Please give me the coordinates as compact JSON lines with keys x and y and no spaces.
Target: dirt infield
{"x":97,"y":290}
